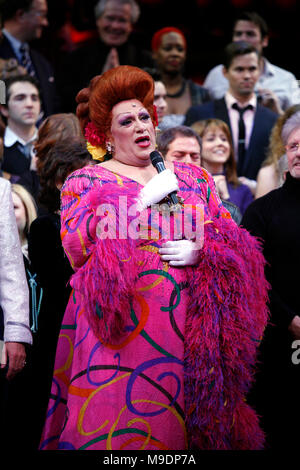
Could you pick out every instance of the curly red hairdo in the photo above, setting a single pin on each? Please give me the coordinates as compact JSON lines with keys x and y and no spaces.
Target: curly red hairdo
{"x":121,"y":83}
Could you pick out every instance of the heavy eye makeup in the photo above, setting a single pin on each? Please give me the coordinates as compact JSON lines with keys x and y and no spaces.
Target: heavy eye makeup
{"x":127,"y":120}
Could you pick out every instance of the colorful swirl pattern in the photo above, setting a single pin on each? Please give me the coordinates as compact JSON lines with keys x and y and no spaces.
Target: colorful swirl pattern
{"x":127,"y":395}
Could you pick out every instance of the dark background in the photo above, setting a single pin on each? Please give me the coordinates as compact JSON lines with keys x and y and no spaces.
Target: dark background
{"x":207,"y":25}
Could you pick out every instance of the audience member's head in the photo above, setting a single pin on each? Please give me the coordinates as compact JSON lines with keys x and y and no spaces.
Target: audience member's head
{"x":25,"y":209}
{"x":276,"y":146}
{"x":291,"y":138}
{"x":115,"y":20}
{"x":241,"y":68}
{"x":56,"y":128}
{"x":25,"y":19}
{"x":64,"y":157}
{"x":23,"y":103}
{"x":180,"y":144}
{"x":160,"y":94}
{"x":169,"y":50}
{"x":252,"y":28}
{"x":217,"y":154}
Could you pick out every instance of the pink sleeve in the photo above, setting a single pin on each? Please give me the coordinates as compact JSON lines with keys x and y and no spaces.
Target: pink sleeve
{"x":78,"y":215}
{"x":215,"y":206}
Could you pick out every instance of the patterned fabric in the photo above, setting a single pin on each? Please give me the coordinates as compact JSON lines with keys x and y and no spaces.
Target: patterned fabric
{"x":14,"y":295}
{"x":26,"y":61}
{"x":124,"y":372}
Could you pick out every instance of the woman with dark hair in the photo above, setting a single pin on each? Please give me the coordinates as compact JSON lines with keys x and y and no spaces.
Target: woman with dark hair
{"x":217,"y":157}
{"x":159,"y":338}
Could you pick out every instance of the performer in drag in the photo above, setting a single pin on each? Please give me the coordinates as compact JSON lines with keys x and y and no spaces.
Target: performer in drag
{"x":158,"y":343}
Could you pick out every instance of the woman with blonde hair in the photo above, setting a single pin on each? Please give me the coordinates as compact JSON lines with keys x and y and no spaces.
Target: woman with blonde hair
{"x":269,"y":176}
{"x":25,"y":212}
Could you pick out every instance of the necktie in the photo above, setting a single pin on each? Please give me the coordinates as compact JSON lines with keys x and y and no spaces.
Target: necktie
{"x":26,"y":60}
{"x":242,"y":136}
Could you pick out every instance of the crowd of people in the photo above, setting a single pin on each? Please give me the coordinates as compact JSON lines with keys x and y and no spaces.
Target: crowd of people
{"x":148,"y":242}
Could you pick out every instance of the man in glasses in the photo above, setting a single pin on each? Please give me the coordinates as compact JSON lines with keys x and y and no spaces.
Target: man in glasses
{"x":24,"y":21}
{"x":275,"y":219}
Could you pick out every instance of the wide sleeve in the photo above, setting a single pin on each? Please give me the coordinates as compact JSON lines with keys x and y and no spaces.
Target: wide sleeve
{"x":78,"y":215}
{"x":14,"y":294}
{"x":104,"y":262}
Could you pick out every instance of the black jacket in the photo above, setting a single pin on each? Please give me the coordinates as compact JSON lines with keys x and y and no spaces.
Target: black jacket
{"x":45,"y":76}
{"x":264,"y":121}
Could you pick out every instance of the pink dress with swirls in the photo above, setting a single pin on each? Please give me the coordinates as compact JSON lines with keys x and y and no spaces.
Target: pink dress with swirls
{"x":128,"y":393}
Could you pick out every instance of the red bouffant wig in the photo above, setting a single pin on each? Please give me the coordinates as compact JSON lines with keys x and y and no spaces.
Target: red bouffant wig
{"x":105,"y":91}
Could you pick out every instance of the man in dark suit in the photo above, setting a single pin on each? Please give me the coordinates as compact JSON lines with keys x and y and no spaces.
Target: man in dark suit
{"x":249,"y":122}
{"x":21,"y":113}
{"x":24,"y":21}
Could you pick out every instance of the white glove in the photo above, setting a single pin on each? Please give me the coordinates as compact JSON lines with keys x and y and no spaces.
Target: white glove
{"x":156,"y":189}
{"x":180,"y":253}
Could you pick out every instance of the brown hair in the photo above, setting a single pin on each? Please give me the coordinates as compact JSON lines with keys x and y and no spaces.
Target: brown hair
{"x":63,"y":158}
{"x":230,"y":166}
{"x":121,"y":83}
{"x":57,"y":127}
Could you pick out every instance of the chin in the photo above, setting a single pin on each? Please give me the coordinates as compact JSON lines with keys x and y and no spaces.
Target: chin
{"x":115,"y":41}
{"x":295,"y":173}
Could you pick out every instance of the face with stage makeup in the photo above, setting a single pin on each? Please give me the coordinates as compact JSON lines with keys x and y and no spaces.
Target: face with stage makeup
{"x":132,"y":133}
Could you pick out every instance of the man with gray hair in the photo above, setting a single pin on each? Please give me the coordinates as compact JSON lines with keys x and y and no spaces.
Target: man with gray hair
{"x":275,"y":219}
{"x":115,"y":20}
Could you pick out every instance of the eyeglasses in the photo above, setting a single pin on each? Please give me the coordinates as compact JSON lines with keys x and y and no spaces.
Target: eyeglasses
{"x":293,"y":147}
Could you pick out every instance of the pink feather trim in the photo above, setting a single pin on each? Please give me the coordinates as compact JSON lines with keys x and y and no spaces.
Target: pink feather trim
{"x":225,"y":322}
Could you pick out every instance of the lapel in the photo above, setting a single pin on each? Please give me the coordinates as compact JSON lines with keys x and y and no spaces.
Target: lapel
{"x":257,"y":125}
{"x":221,"y":111}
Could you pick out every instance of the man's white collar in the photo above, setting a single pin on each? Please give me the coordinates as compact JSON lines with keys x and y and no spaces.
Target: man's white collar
{"x":10,"y":138}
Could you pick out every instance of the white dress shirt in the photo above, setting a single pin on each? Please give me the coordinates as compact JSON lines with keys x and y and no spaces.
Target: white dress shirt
{"x":234,"y":119}
{"x":10,"y":138}
{"x":280,"y":81}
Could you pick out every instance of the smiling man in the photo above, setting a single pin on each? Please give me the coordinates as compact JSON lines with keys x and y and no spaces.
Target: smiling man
{"x":115,"y":20}
{"x":249,"y":122}
{"x":21,"y":112}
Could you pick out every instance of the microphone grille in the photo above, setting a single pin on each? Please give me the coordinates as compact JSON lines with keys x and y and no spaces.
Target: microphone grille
{"x":156,"y":157}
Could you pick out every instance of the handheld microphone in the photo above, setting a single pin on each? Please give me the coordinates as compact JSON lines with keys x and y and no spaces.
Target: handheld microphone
{"x":158,"y":163}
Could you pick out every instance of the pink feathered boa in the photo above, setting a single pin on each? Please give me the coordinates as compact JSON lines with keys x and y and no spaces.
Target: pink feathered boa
{"x":224,"y":324}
